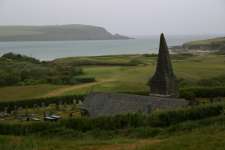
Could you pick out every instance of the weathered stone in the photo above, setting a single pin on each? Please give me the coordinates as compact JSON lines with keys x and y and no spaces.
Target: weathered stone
{"x":109,"y":104}
{"x":164,"y":82}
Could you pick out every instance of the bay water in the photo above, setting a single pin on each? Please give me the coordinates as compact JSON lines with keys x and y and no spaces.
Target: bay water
{"x":49,"y":50}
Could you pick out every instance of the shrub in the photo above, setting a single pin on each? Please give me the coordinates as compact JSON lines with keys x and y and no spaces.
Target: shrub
{"x":150,"y":55}
{"x":17,"y":69}
{"x":136,"y":61}
{"x":185,"y":83}
{"x":160,"y":119}
{"x":143,"y":132}
{"x":204,"y":92}
{"x":19,"y":57}
{"x":216,"y":81}
{"x":82,"y":79}
{"x":156,"y":119}
{"x":10,"y":105}
{"x":167,"y":118}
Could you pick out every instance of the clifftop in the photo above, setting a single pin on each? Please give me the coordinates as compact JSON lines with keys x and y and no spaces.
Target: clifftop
{"x":210,"y":44}
{"x":56,"y":33}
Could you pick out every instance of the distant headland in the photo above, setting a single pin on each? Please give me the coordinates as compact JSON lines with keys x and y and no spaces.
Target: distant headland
{"x":57,"y":33}
{"x":208,"y":45}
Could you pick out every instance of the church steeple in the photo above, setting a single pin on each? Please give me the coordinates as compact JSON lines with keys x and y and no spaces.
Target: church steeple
{"x":164,"y":81}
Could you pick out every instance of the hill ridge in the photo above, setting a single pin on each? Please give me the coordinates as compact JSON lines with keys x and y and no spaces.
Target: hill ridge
{"x":56,"y":33}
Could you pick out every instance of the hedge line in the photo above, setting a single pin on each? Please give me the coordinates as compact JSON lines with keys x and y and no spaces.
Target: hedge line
{"x":187,"y":93}
{"x":157,"y":119}
{"x":11,"y":105}
{"x":192,"y":92}
{"x":203,"y":92}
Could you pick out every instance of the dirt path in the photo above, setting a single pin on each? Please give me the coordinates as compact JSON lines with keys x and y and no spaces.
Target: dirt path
{"x":61,"y":91}
{"x":132,"y":146}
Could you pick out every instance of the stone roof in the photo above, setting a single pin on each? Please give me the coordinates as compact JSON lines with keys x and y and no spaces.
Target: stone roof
{"x":109,"y":104}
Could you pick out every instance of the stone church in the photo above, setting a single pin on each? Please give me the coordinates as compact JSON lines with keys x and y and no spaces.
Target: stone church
{"x":163,"y":93}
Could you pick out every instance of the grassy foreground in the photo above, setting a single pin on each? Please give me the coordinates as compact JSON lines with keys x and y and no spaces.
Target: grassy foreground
{"x":190,"y":68}
{"x":201,"y":127}
{"x":185,"y":136}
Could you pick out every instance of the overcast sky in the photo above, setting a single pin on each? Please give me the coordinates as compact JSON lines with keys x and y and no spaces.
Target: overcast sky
{"x":130,"y":17}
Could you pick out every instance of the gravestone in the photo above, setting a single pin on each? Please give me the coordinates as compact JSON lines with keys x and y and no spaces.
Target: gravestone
{"x":164,"y":82}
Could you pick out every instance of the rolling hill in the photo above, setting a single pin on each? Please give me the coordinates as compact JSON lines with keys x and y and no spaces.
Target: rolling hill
{"x":209,"y":44}
{"x":56,"y":33}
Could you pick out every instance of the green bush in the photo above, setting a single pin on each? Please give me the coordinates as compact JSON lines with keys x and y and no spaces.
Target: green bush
{"x":19,"y":57}
{"x":29,"y":103}
{"x":143,"y":132}
{"x":82,"y":79}
{"x":204,"y":92}
{"x":215,"y":81}
{"x":136,"y":61}
{"x":25,"y":129}
{"x":17,"y":69}
{"x":150,"y":55}
{"x":156,"y":119}
{"x":167,"y":118}
{"x":162,"y":119}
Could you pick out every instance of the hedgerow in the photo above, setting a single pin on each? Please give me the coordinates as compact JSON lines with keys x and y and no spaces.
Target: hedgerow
{"x":84,"y":124}
{"x":203,"y":92}
{"x":28,"y":103}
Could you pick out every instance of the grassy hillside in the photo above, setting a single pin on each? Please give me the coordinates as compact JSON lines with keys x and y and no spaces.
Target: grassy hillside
{"x":198,"y":127}
{"x":191,"y":70}
{"x":206,"y":138}
{"x":210,"y":44}
{"x":201,"y":134}
{"x":56,"y":33}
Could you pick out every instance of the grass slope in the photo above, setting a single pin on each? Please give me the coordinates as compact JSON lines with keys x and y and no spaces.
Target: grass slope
{"x":210,"y":138}
{"x":204,"y":134}
{"x":124,"y":78}
{"x":26,"y":92}
{"x":210,"y":44}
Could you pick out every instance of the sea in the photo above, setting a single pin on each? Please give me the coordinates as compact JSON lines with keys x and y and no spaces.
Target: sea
{"x":50,"y":50}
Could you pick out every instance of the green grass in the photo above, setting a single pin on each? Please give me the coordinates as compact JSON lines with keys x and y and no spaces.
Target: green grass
{"x":26,"y":92}
{"x":124,"y":78}
{"x":56,"y":143}
{"x":207,"y":42}
{"x":204,"y":134}
{"x":210,"y":138}
{"x":135,"y":78}
{"x":210,"y":44}
{"x":190,"y":134}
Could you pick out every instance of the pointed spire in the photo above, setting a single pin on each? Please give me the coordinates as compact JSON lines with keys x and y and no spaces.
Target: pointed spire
{"x":164,"y":81}
{"x":163,"y":44}
{"x":164,"y":65}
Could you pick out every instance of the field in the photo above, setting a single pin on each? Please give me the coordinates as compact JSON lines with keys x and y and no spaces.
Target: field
{"x":188,"y":136}
{"x":197,"y":127}
{"x":27,"y":92}
{"x":125,"y":78}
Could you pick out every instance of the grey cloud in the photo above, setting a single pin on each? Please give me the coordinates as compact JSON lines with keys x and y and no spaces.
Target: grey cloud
{"x":131,"y":17}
